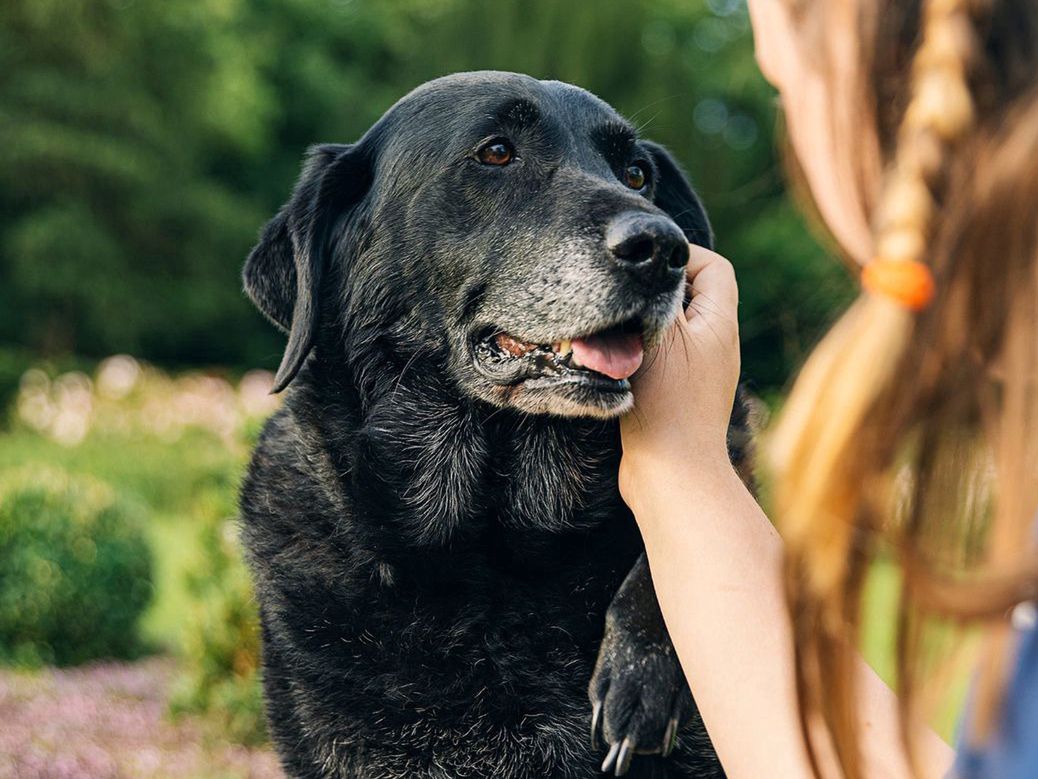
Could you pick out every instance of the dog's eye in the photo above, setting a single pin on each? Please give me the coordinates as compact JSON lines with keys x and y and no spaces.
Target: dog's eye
{"x":635,"y":176}
{"x":497,"y":152}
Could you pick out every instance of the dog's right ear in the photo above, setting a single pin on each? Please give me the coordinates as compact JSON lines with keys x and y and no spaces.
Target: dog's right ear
{"x":283,"y":272}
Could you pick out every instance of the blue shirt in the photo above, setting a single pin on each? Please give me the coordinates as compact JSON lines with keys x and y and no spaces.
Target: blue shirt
{"x":1012,"y":752}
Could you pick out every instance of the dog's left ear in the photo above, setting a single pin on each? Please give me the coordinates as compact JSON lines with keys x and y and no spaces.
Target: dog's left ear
{"x":283,"y":272}
{"x":674,"y":194}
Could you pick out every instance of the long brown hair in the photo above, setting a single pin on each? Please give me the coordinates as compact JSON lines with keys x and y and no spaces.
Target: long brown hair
{"x":916,"y":434}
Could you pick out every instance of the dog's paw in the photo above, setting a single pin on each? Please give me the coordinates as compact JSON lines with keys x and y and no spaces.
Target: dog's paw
{"x":639,"y":696}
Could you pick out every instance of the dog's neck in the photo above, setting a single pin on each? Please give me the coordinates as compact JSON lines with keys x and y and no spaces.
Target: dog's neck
{"x":436,"y":466}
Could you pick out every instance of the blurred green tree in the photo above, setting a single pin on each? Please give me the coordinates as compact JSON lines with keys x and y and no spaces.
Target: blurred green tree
{"x":146,"y":143}
{"x":119,"y":230}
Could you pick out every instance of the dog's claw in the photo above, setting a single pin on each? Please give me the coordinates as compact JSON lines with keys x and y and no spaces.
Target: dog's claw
{"x":610,"y":760}
{"x":596,"y":717}
{"x":670,"y":737}
{"x":623,"y":760}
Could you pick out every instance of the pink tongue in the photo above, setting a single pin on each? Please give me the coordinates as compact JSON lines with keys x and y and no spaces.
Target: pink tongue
{"x":616,"y":355}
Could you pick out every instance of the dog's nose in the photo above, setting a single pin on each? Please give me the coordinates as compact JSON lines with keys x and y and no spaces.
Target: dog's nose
{"x":647,"y":242}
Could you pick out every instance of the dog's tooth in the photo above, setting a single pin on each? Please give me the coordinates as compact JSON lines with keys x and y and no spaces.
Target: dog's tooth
{"x":565,"y":347}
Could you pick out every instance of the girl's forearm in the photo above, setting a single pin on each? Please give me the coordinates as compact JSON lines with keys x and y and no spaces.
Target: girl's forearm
{"x":716,"y":565}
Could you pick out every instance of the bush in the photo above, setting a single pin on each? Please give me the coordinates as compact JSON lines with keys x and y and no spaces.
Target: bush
{"x":75,"y":570}
{"x":221,"y":638}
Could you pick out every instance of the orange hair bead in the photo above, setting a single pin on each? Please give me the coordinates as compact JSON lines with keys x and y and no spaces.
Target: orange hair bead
{"x":907,"y":282}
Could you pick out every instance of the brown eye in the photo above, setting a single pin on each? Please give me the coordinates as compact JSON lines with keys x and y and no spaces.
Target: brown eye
{"x":634,"y":176}
{"x":495,"y":153}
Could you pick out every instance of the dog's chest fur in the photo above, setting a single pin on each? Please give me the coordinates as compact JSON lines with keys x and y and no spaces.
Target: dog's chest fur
{"x":433,"y":579}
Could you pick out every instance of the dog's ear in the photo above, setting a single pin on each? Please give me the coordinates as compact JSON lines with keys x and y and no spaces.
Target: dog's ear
{"x":674,"y":194}
{"x":283,"y":272}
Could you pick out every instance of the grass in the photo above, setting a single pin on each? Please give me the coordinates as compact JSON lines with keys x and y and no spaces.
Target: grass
{"x":164,"y":474}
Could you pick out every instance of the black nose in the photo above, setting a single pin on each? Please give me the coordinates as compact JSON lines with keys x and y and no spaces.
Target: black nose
{"x":647,"y":242}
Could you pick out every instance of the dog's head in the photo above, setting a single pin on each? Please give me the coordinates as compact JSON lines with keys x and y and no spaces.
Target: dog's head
{"x":517,"y":229}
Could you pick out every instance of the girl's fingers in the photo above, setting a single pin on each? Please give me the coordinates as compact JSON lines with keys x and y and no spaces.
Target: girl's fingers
{"x":711,"y":278}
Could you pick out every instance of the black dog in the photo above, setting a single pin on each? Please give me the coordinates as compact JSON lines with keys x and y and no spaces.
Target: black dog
{"x":432,"y":518}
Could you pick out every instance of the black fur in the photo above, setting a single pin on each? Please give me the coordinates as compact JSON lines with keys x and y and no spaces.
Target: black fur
{"x":435,"y":553}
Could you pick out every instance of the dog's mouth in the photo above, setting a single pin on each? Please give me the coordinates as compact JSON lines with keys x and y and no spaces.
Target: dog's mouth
{"x":604,"y":360}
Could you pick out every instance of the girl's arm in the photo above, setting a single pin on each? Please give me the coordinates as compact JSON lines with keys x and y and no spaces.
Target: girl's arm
{"x":716,"y":560}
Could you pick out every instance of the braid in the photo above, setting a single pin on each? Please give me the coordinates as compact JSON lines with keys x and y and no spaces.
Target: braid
{"x":939,"y":114}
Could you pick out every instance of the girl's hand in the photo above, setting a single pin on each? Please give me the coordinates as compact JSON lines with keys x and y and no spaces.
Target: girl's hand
{"x":683,"y":395}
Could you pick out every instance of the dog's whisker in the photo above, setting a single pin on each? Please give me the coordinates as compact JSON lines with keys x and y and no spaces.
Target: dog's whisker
{"x":403,"y":372}
{"x":654,"y":103}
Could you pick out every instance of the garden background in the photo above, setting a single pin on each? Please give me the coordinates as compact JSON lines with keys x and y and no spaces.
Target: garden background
{"x":144,"y":144}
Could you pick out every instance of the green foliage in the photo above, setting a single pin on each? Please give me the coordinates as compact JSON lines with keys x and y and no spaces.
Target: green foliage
{"x":75,"y":571}
{"x":221,"y":650}
{"x":145,"y":144}
{"x":13,"y":363}
{"x":116,"y":230}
